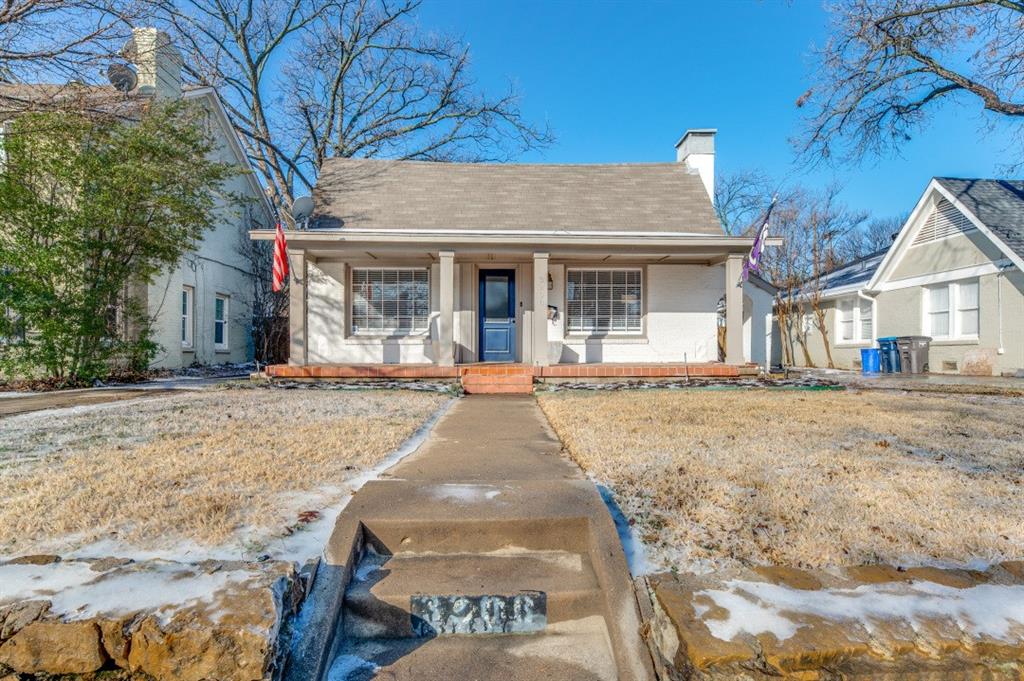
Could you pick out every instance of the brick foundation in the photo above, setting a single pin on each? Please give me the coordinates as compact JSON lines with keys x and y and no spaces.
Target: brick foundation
{"x":507,"y":378}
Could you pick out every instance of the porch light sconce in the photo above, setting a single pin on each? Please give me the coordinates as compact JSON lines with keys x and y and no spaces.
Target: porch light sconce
{"x":551,"y":283}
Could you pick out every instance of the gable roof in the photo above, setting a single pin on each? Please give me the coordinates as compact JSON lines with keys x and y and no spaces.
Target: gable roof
{"x":999,"y":204}
{"x":373,"y":194}
{"x":995,"y":207}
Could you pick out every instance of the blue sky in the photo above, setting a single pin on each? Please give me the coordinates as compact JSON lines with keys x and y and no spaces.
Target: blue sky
{"x":621,"y":81}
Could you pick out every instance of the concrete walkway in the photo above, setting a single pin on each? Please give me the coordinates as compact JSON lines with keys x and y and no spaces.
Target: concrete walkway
{"x":23,"y":402}
{"x":484,"y":555}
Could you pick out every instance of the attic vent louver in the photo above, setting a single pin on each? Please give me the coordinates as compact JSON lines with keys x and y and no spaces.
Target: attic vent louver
{"x":944,"y":221}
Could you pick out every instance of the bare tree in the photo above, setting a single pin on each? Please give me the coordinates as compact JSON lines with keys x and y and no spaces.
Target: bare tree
{"x":357,"y":78}
{"x":873,"y":236}
{"x":61,"y":40}
{"x":740,"y":198}
{"x":827,"y":225}
{"x":269,"y":313}
{"x":814,"y":227}
{"x":890,"y":63}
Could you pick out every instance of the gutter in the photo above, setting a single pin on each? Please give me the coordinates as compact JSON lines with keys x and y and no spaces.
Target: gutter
{"x":493,"y":237}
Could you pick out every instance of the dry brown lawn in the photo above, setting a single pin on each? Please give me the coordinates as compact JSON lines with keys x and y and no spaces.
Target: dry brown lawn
{"x":724,"y":478}
{"x":199,"y":467}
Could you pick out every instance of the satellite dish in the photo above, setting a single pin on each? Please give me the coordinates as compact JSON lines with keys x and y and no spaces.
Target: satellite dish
{"x":130,"y":51}
{"x":122,"y":77}
{"x":302,"y":208}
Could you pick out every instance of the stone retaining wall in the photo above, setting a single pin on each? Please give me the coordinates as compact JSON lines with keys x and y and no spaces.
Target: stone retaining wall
{"x":875,"y":622}
{"x":217,"y":620}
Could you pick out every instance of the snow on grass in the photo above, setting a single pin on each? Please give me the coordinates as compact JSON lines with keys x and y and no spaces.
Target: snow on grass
{"x":231,"y":473}
{"x":76,"y":592}
{"x":711,"y":479}
{"x":986,"y":610}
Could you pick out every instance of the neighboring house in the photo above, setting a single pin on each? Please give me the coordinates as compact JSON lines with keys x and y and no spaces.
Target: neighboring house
{"x":953,"y":273}
{"x":442,"y":263}
{"x":200,"y":310}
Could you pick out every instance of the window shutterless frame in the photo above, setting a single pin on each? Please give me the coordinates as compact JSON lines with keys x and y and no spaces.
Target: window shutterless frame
{"x":187,"y":316}
{"x":951,"y":311}
{"x":221,"y":312}
{"x":389,"y":301}
{"x":604,"y":301}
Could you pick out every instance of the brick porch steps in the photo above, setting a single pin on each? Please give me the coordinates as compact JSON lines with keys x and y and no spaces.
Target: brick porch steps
{"x":507,"y":378}
{"x":497,"y":379}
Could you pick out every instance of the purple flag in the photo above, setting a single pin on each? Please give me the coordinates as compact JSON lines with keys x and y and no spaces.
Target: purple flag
{"x":752,"y":263}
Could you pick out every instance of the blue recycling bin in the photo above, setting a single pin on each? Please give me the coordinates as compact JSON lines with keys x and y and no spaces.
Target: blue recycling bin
{"x":890,"y":355}
{"x":869,"y":361}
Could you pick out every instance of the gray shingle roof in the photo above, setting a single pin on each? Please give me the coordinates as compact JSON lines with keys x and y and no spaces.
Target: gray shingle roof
{"x":379,"y":194}
{"x":854,"y":274}
{"x":997,"y":203}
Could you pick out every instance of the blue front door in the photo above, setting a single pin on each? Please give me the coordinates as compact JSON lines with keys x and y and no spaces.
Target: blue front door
{"x":497,"y":315}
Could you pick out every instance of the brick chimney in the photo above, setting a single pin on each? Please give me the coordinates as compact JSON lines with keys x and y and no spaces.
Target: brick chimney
{"x":697,"y":150}
{"x":157,"y":63}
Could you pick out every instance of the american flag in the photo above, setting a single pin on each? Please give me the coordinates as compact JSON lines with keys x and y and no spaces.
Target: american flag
{"x":752,"y":263}
{"x":280,"y":259}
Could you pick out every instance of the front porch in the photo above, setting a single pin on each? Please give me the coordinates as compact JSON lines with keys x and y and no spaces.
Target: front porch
{"x":506,"y":378}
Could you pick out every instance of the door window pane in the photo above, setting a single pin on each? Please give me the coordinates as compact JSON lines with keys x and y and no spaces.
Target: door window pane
{"x":496,"y":297}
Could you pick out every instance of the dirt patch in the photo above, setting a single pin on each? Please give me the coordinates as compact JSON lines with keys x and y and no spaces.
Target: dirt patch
{"x":202,"y":468}
{"x":714,"y":479}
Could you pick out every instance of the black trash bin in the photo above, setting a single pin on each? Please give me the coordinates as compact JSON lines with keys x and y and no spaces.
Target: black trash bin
{"x":913,"y":354}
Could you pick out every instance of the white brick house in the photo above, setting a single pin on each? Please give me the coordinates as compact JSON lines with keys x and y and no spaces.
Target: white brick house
{"x":453,"y":263}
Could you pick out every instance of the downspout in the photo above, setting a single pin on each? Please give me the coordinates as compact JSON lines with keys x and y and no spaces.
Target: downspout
{"x":1001,"y":350}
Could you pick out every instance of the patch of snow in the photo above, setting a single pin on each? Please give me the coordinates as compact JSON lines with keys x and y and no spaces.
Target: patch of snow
{"x":76,"y":592}
{"x":351,"y":668}
{"x":636,"y":552}
{"x":465,"y":493}
{"x":993,"y":610}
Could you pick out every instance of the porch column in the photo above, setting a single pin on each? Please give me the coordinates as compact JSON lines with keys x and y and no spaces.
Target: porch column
{"x":734,"y":309}
{"x":446,"y":301}
{"x":540,"y":309}
{"x":298,"y":351}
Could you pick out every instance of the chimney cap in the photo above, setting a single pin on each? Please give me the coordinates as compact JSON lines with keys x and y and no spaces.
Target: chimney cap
{"x":696,"y":132}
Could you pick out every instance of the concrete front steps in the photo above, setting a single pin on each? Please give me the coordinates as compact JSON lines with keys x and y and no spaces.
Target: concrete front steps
{"x":498,"y":379}
{"x":483,"y":555}
{"x":507,"y":613}
{"x":378,"y":603}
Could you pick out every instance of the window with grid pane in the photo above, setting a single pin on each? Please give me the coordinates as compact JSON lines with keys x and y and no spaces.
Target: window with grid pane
{"x":390,"y":300}
{"x":604,"y":301}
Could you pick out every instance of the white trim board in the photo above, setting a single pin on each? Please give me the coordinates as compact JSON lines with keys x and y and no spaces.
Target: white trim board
{"x":947,"y":276}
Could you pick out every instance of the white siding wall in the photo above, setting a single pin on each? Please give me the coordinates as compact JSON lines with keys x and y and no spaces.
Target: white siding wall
{"x":216,"y":267}
{"x":681,"y":319}
{"x":330,"y":340}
